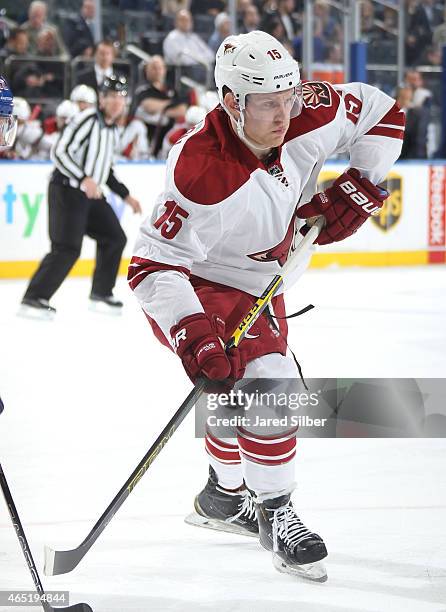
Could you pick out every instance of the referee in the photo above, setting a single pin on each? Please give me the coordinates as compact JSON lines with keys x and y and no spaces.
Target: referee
{"x":83,"y":158}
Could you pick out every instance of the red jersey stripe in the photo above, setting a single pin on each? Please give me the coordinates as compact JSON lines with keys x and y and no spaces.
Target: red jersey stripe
{"x":139,"y":268}
{"x":384,"y":131}
{"x":395,"y":116}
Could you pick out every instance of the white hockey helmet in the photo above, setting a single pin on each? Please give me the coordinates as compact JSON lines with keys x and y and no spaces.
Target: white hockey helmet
{"x":254,"y":63}
{"x":195,"y":114}
{"x":83,"y":93}
{"x":21,"y":109}
{"x":66,"y":110}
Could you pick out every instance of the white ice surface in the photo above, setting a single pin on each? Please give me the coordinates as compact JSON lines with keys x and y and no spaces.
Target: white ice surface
{"x":86,"y":395}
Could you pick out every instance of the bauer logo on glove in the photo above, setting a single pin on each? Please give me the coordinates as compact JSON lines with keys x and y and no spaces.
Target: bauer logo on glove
{"x":346,"y":205}
{"x":180,"y":335}
{"x":359,"y":198}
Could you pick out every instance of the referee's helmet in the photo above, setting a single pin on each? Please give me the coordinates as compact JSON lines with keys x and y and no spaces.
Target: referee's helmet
{"x":114,"y":83}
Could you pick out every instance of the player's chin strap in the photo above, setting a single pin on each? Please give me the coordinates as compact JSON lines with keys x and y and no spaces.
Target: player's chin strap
{"x":271,"y":317}
{"x":239,"y":125}
{"x":241,"y":134}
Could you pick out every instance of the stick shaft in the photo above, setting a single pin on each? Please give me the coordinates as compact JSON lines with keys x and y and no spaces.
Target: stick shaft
{"x":143,"y":466}
{"x":262,"y":302}
{"x":22,"y":537}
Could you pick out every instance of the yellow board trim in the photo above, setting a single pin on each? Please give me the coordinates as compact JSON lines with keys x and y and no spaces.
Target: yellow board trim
{"x":84,"y":267}
{"x":25,"y":269}
{"x":389,"y":258}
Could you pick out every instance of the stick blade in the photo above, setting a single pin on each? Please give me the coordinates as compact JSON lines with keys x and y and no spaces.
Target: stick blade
{"x":61,"y":561}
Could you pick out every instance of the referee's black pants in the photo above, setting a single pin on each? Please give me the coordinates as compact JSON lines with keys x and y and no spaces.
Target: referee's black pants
{"x":71,"y":216}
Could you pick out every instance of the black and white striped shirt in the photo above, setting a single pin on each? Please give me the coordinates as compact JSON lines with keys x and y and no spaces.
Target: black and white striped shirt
{"x":86,"y":148}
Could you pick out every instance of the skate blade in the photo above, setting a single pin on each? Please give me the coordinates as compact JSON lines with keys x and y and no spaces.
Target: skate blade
{"x":315,"y":572}
{"x":28,"y":312}
{"x":101,"y":308}
{"x":202,"y":521}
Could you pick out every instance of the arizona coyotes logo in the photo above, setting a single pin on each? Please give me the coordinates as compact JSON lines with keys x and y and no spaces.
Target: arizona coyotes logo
{"x":316,"y":94}
{"x":228,"y":48}
{"x":283,"y":250}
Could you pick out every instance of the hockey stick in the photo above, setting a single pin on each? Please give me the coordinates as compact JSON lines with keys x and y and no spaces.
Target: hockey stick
{"x":81,"y":607}
{"x":63,"y":561}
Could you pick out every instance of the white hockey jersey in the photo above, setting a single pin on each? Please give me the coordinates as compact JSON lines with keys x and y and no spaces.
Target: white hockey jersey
{"x":229,"y":218}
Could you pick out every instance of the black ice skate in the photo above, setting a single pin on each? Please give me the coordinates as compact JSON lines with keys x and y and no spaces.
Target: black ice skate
{"x":296,"y":550}
{"x":106,"y":304}
{"x":36,"y":308}
{"x":223,"y":510}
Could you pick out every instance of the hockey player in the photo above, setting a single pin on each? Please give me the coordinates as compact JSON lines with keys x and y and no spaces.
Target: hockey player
{"x":65,"y":111}
{"x":83,"y":96}
{"x":238,"y":189}
{"x":8,"y":121}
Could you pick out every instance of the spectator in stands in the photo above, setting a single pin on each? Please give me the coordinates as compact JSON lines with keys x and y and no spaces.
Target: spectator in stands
{"x":274,"y":26}
{"x":430,"y":10}
{"x":79,"y":33}
{"x":421,"y":95}
{"x":16,"y":45}
{"x":47,"y":46}
{"x":267,"y":6}
{"x":329,"y":26}
{"x":282,"y":11}
{"x":319,"y":43}
{"x":222,"y":24}
{"x":6,"y":26}
{"x":250,"y":19}
{"x":368,"y":26}
{"x":183,"y":47}
{"x":417,"y":120}
{"x":32,"y":80}
{"x":433,"y":55}
{"x":288,"y":17}
{"x":422,"y":23}
{"x":156,"y":105}
{"x":83,"y":96}
{"x":102,"y":67}
{"x":242,"y":5}
{"x":439,"y":34}
{"x":207,"y":7}
{"x":170,"y":8}
{"x":386,"y":26}
{"x":37,"y":14}
{"x":335,"y":57}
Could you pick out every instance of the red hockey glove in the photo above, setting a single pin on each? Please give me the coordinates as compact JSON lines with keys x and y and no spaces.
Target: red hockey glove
{"x":200,"y":350}
{"x":346,"y":206}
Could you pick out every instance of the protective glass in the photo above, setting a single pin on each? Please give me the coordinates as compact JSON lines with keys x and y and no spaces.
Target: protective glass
{"x":8,"y":131}
{"x":273,"y":106}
